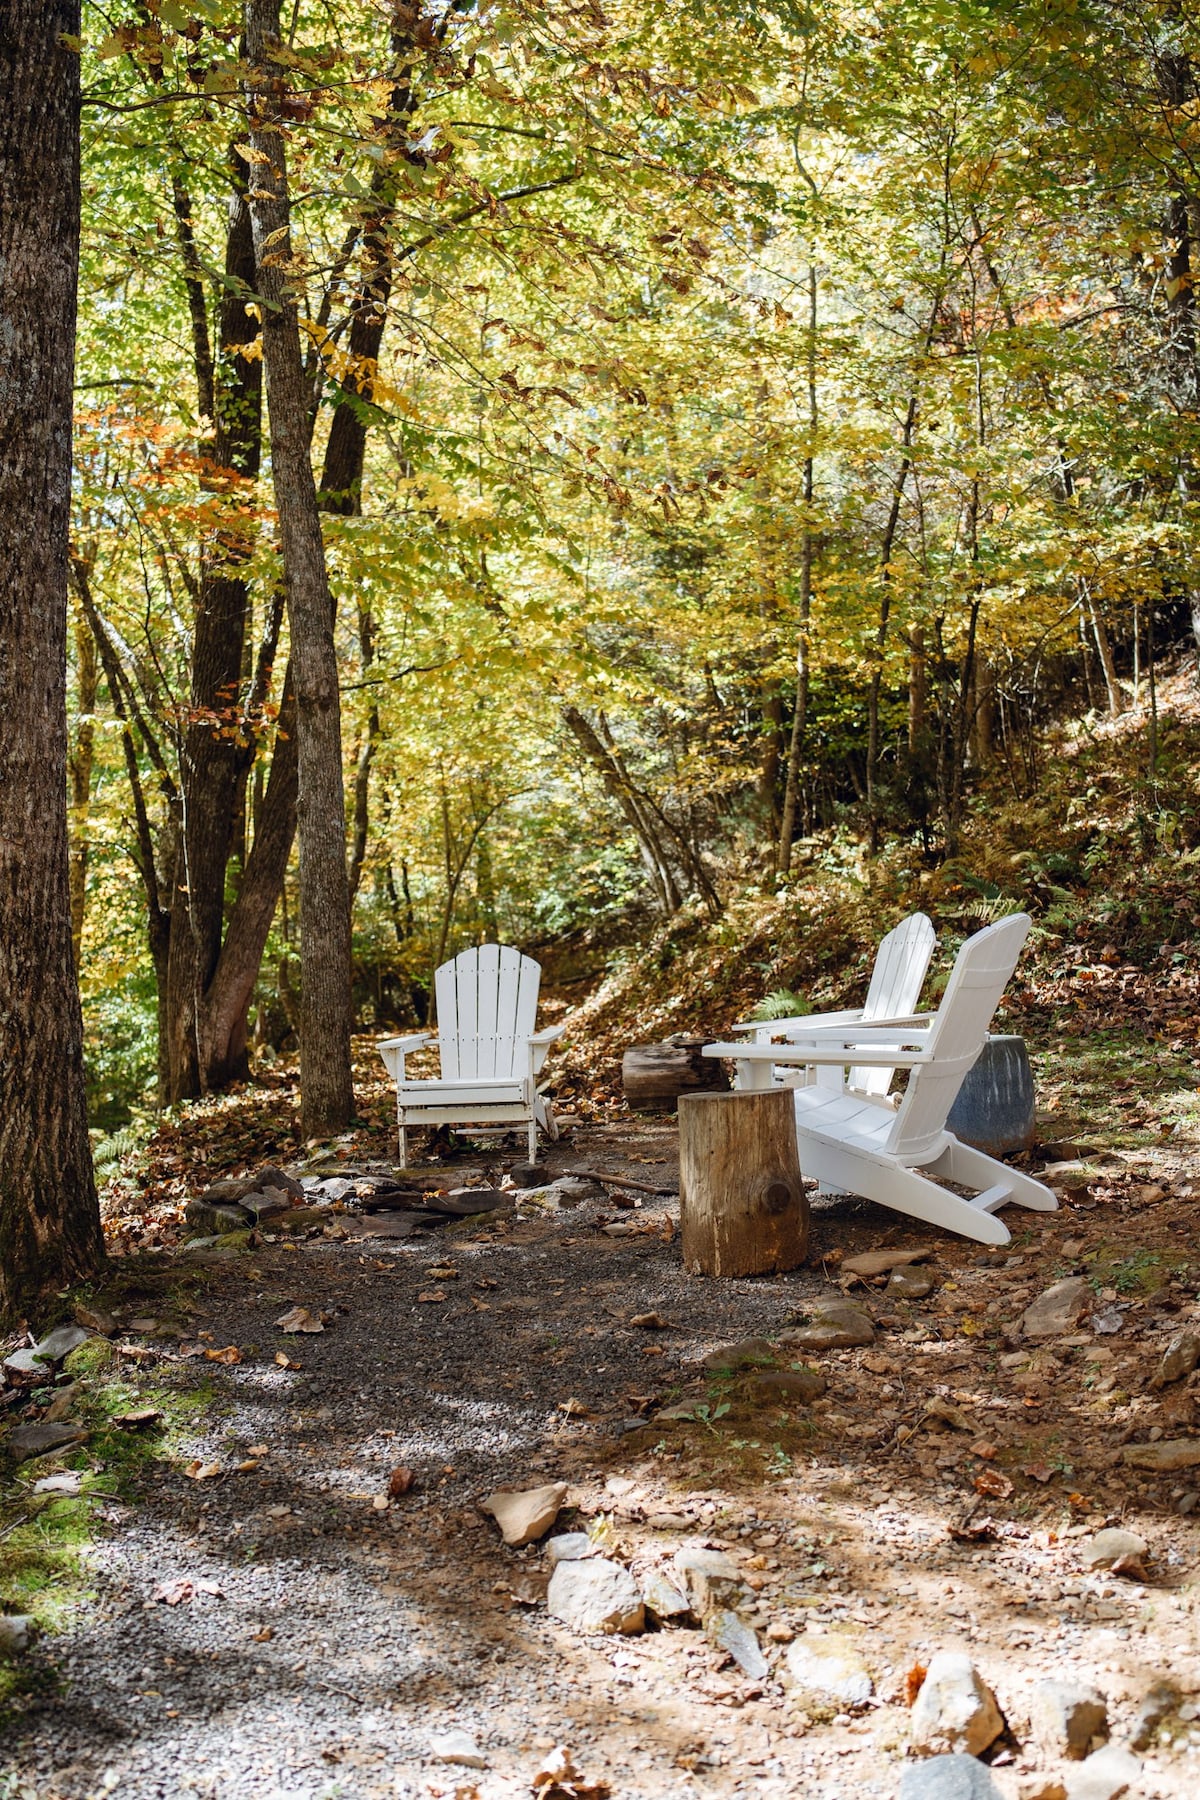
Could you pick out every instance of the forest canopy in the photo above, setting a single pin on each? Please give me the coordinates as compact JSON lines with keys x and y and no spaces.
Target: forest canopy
{"x":730,"y":425}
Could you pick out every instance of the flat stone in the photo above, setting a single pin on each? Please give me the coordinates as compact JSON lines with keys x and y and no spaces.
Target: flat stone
{"x":596,"y":1596}
{"x":1104,"y":1776}
{"x":60,"y":1342}
{"x":1164,"y":1457}
{"x":96,"y":1319}
{"x":1058,"y":1310}
{"x":457,"y":1747}
{"x":1041,"y":1787}
{"x":799,"y":1386}
{"x":910,"y":1284}
{"x":266,"y":1203}
{"x":948,"y":1778}
{"x":710,"y":1578}
{"x":1108,"y":1548}
{"x":17,"y":1631}
{"x":1159,"y":1705}
{"x":834,"y":1325}
{"x":665,"y":1599}
{"x":725,"y":1631}
{"x":39,"y":1440}
{"x":955,"y":1709}
{"x":527,"y":1514}
{"x":747,"y":1353}
{"x":1066,"y":1716}
{"x":301,"y":1218}
{"x":880,"y":1262}
{"x":1178,"y":1359}
{"x":24,"y":1362}
{"x":828,"y":1668}
{"x":573,"y":1190}
{"x":569,"y":1546}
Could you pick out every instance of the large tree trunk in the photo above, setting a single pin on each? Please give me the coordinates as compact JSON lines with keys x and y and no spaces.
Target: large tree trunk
{"x":213,"y":761}
{"x":327,"y":1097}
{"x":49,"y":1220}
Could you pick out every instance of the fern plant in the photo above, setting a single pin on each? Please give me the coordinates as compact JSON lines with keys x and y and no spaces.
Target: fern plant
{"x":782,"y":1004}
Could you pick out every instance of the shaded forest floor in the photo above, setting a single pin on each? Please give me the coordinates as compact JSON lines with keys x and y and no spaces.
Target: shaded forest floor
{"x":243,"y":1611}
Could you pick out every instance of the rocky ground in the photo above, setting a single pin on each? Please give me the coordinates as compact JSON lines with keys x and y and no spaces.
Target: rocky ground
{"x":296,"y":1592}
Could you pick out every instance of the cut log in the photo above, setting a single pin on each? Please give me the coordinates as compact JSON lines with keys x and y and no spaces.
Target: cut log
{"x":655,"y":1075}
{"x":743,"y":1210}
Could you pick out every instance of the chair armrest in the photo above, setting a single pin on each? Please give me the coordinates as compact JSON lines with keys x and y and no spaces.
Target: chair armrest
{"x":539,"y":1046}
{"x":885,"y":1056}
{"x":909,"y":1029}
{"x":412,"y":1041}
{"x":547,"y":1034}
{"x":799,"y":1022}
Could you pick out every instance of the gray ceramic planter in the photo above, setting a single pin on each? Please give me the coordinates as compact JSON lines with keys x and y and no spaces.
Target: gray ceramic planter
{"x":994,"y":1110}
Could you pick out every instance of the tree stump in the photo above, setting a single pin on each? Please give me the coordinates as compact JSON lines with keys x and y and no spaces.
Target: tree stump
{"x":743,"y":1209}
{"x":655,"y":1075}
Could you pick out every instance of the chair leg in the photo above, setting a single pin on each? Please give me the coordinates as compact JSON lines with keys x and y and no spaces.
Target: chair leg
{"x":904,"y":1190}
{"x":974,"y":1168}
{"x":543,"y":1112}
{"x":533,"y":1140}
{"x":403,"y":1144}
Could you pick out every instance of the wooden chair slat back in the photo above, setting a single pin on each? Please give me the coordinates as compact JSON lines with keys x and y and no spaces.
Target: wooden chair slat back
{"x":486,"y":1012}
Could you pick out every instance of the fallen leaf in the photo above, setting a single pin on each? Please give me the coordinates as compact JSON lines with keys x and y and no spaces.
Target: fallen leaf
{"x":653,"y":1350}
{"x":974,"y":1531}
{"x":914,"y":1681}
{"x":479,"y":1305}
{"x":574,"y":1409}
{"x":430,"y":1297}
{"x":138,"y":1418}
{"x":202,"y":1471}
{"x":283,"y":1361}
{"x":558,"y":1779}
{"x":298,"y":1318}
{"x":651,"y":1321}
{"x":944,"y":1412}
{"x":245,"y":1468}
{"x":264,"y":1636}
{"x":257,"y":1450}
{"x":443,"y":1273}
{"x":401,"y":1481}
{"x":229,"y":1355}
{"x":985,"y":1450}
{"x":174,"y":1593}
{"x":993,"y":1483}
{"x":1039,"y":1471}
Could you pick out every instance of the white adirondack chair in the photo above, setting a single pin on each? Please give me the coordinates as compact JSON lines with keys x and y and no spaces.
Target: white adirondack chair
{"x":853,"y":1144}
{"x":490,"y":1053}
{"x":901,"y":964}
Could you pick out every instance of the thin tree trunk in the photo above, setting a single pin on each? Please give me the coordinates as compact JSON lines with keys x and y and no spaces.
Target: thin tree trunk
{"x":49,"y":1220}
{"x":82,"y":759}
{"x":791,"y":784}
{"x":327,"y":1096}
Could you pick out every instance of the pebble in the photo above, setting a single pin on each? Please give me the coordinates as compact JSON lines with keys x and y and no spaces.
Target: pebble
{"x":457,"y":1747}
{"x":1104,"y":1776}
{"x":955,"y":1709}
{"x":948,"y":1778}
{"x":829,"y":1668}
{"x":569,"y":1546}
{"x":527,"y":1513}
{"x":1058,"y":1310}
{"x":797,"y":1385}
{"x":1066,"y":1716}
{"x":665,"y":1599}
{"x":710,"y":1578}
{"x":1178,"y":1359}
{"x":910,"y":1284}
{"x":597,"y":1595}
{"x":729,"y":1633}
{"x":745,"y":1354}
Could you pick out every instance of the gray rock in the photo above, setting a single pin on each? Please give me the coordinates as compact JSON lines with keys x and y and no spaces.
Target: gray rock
{"x":526,"y":1175}
{"x":24,"y":1362}
{"x":457,"y":1747}
{"x":711,"y":1580}
{"x":1066,"y":1716}
{"x":573,"y":1190}
{"x":665,"y":1599}
{"x":266,"y":1203}
{"x":1112,"y":1549}
{"x":948,"y":1778}
{"x":17,"y":1631}
{"x":527,"y":1514}
{"x":834,"y":1325}
{"x":1104,"y":1776}
{"x":1178,"y":1359}
{"x":1159,"y":1705}
{"x":729,"y":1633}
{"x":211,"y":1220}
{"x":60,"y":1342}
{"x":829,"y":1668}
{"x":596,"y":1596}
{"x":747,"y":1353}
{"x":1058,"y":1310}
{"x":797,"y":1386}
{"x":1165,"y":1457}
{"x":39,"y":1440}
{"x":910,"y":1284}
{"x":955,"y":1709}
{"x":568,"y":1546}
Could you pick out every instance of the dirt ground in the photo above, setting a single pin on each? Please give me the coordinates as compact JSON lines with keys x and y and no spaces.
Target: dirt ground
{"x":264,"y":1621}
